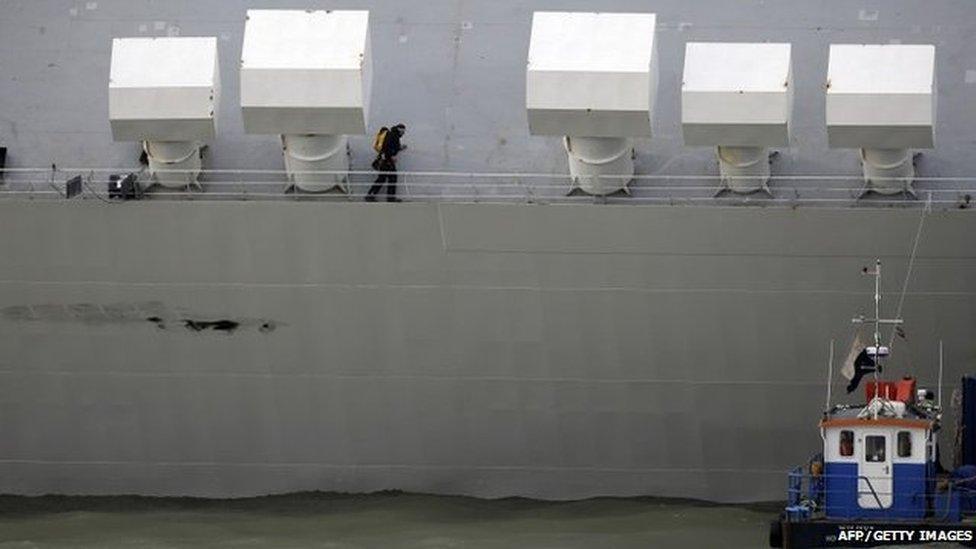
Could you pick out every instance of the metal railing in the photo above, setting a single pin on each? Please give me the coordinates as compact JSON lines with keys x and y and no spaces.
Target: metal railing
{"x":527,"y":188}
{"x":814,"y":493}
{"x":874,"y":493}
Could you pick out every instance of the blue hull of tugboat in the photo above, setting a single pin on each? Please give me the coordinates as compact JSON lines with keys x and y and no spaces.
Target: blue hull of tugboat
{"x":909,"y":493}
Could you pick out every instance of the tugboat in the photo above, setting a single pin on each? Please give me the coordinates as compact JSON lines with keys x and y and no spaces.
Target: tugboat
{"x":878,"y":480}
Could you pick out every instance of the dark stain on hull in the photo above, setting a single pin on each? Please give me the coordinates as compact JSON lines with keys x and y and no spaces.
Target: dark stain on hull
{"x":226,"y":326}
{"x":156,"y":313}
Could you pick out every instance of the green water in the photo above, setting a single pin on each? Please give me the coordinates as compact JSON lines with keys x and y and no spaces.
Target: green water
{"x":382,"y":520}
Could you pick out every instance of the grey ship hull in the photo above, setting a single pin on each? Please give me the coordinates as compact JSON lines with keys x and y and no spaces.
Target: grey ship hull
{"x":554,"y":351}
{"x":445,"y":348}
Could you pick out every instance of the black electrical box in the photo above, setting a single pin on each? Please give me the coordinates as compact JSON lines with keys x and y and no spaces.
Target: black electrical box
{"x":73,"y":187}
{"x":124,"y":187}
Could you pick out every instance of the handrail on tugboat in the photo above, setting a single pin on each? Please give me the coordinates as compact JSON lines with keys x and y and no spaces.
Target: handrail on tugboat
{"x":873,"y":492}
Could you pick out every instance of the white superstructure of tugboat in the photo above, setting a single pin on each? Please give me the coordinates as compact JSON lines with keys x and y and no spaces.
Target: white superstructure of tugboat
{"x":878,"y":480}
{"x":877,"y":458}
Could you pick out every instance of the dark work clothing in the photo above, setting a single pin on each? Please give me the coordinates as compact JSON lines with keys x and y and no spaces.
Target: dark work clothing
{"x":391,"y":145}
{"x":863,"y":365}
{"x":388,"y":175}
{"x":387,"y":167}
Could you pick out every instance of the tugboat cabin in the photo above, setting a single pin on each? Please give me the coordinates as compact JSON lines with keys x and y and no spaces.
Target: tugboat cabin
{"x":879,"y":459}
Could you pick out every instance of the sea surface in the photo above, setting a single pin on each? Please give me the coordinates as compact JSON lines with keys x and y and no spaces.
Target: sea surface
{"x":378,"y":520}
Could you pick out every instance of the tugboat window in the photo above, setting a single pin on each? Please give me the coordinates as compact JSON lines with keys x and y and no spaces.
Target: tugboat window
{"x":904,"y":444}
{"x":874,"y":449}
{"x":847,"y":443}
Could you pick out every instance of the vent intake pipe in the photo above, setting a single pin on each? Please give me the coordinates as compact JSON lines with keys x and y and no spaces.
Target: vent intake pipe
{"x":317,"y":153}
{"x":600,"y":165}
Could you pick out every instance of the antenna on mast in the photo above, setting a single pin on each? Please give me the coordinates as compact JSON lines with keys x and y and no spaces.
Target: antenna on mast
{"x":830,"y":375}
{"x":878,"y":351}
{"x":940,"y":373}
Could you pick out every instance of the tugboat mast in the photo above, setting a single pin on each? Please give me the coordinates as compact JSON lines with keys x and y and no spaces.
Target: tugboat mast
{"x":877,"y":305}
{"x":877,"y":352}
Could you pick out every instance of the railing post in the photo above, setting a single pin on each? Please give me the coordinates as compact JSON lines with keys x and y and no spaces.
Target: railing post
{"x":795,"y":486}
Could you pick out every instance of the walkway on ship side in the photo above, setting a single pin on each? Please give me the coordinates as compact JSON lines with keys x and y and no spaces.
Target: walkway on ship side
{"x":528,"y":188}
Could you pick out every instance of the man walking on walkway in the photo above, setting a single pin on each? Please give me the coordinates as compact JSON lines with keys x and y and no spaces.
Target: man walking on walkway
{"x":387,"y":164}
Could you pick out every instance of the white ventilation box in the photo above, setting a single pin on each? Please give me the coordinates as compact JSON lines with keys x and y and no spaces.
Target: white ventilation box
{"x":306,"y":72}
{"x":736,"y":94}
{"x":163,"y":89}
{"x":881,"y":99}
{"x":881,"y":96}
{"x":738,"y":97}
{"x":592,"y":79}
{"x":165,"y":92}
{"x":591,"y":74}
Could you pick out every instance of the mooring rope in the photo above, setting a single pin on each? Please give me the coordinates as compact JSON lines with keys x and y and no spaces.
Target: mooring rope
{"x":911,"y":265}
